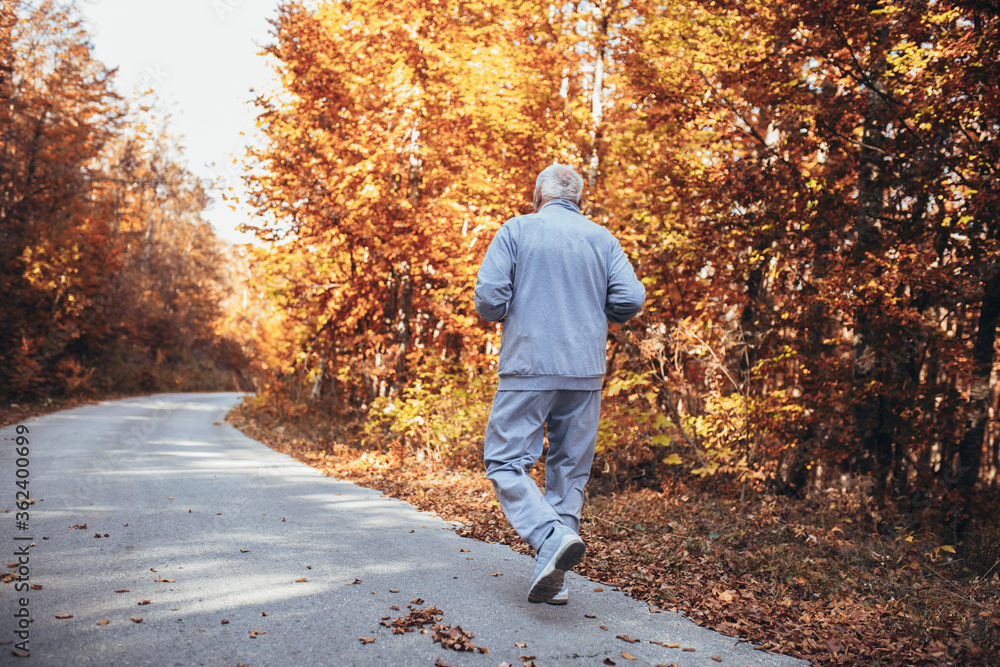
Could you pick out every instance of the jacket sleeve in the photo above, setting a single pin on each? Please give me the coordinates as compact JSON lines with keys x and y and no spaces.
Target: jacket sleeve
{"x":625,"y":293}
{"x":495,"y":283}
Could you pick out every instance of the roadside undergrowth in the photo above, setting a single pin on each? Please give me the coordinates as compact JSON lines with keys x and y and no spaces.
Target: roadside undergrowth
{"x":808,"y":578}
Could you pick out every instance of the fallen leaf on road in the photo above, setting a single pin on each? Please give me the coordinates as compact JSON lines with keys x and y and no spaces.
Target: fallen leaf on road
{"x":97,"y":534}
{"x":598,"y":589}
{"x":609,"y":661}
{"x":589,"y":616}
{"x":688,"y":648}
{"x":366,"y":640}
{"x":225,"y":621}
{"x":417,"y":600}
{"x":628,"y":656}
{"x":104,"y":622}
{"x":520,"y":644}
{"x":152,"y":569}
{"x":244,"y":551}
{"x":134,"y":619}
{"x":463,"y":550}
{"x":145,"y":602}
{"x":393,"y":590}
{"x":160,"y":578}
{"x":440,"y":663}
{"x":36,"y":587}
{"x":603,"y":627}
{"x":631,"y":640}
{"x":256,"y":633}
{"x":482,"y":649}
{"x":21,"y":654}
{"x":454,"y":638}
{"x":301,"y":579}
{"x":122,"y":590}
{"x":716,"y":658}
{"x":497,"y":574}
{"x":81,"y":526}
{"x":62,"y":616}
{"x":417,"y":618}
{"x":352,"y":583}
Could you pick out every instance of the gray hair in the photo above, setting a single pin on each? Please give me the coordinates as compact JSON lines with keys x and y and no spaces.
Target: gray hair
{"x":560,"y":181}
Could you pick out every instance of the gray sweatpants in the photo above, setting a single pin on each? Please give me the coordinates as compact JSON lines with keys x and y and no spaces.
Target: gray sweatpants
{"x":513,"y":444}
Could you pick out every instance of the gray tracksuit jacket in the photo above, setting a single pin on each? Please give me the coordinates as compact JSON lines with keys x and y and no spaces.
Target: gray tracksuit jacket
{"x":555,"y":278}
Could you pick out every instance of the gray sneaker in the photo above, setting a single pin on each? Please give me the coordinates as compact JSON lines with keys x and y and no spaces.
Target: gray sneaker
{"x":560,"y":552}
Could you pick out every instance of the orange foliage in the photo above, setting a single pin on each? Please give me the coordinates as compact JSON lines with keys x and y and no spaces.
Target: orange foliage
{"x":805,"y":192}
{"x":109,"y":277}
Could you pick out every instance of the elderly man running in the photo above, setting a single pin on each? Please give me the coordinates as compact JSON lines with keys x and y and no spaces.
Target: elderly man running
{"x":555,"y":279}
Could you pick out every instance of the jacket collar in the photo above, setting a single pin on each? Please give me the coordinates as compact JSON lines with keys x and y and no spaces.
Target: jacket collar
{"x":561,"y":203}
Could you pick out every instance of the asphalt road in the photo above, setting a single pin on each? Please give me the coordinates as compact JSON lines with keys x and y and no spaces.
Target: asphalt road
{"x":230,"y":552}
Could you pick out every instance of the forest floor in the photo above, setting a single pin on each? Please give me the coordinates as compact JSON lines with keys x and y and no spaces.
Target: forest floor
{"x":820,"y":579}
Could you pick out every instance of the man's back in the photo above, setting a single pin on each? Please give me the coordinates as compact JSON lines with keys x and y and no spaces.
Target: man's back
{"x":558,"y":278}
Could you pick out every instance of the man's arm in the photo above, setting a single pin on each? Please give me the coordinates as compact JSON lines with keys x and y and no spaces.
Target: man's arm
{"x":625,"y":293}
{"x":494,"y":286}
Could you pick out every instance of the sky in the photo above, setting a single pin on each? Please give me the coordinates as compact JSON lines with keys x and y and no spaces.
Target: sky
{"x":200,"y":56}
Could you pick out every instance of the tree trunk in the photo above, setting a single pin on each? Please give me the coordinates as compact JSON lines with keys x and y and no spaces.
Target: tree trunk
{"x":870,"y":428}
{"x":970,"y":447}
{"x":597,"y":101}
{"x":317,"y":388}
{"x":150,"y":232}
{"x":749,"y":318}
{"x":402,"y":324}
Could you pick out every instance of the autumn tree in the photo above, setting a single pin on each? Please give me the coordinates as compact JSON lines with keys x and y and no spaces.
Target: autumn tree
{"x":60,"y":111}
{"x":109,"y":272}
{"x":837,"y":153}
{"x":402,"y":137}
